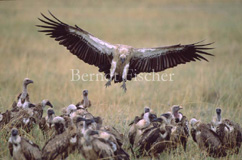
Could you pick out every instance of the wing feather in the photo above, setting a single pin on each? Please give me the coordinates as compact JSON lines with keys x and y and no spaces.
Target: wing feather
{"x":161,"y":58}
{"x":78,"y":41}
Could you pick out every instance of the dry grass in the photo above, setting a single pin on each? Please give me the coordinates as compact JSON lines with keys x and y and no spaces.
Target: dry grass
{"x":199,"y":87}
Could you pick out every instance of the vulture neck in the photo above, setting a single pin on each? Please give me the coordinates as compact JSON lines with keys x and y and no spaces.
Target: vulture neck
{"x":84,"y":128}
{"x":218,"y":118}
{"x":15,"y":140}
{"x":24,"y":92}
{"x":85,"y":101}
{"x":146,"y":118}
{"x":177,"y":115}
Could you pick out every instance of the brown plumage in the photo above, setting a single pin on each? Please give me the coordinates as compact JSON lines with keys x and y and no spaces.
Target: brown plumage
{"x":92,"y":147}
{"x":23,"y":149}
{"x":207,"y":140}
{"x":154,"y":140}
{"x":228,"y":131}
{"x":46,"y":125}
{"x":180,"y":133}
{"x":120,"y":62}
{"x":5,"y":118}
{"x":23,"y":97}
{"x":137,"y":129}
{"x":61,"y":145}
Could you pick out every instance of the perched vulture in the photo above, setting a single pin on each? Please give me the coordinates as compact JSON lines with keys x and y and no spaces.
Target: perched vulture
{"x":92,"y":147}
{"x":137,"y":128}
{"x":154,"y":140}
{"x":39,"y":109}
{"x":85,"y":103}
{"x":180,"y":134}
{"x":61,"y":145}
{"x":23,"y":149}
{"x":23,"y":118}
{"x":46,"y":123}
{"x":207,"y":140}
{"x":24,"y":96}
{"x":229,"y":132}
{"x":60,"y":125}
{"x":5,"y":118}
{"x":120,"y":62}
{"x":138,"y":118}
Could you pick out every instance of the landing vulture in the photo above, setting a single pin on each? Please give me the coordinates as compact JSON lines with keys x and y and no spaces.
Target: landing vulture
{"x":117,"y":61}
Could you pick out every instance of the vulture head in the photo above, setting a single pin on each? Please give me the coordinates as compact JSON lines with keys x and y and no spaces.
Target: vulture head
{"x":175,"y":111}
{"x":27,"y":81}
{"x":89,"y":133}
{"x":194,"y":122}
{"x":122,"y":58}
{"x":168,"y":117}
{"x":15,"y":138}
{"x":218,"y":112}
{"x":147,"y":109}
{"x":28,"y":105}
{"x":85,"y":92}
{"x":71,"y":108}
{"x":46,"y":102}
{"x":59,"y":123}
{"x":50,"y":112}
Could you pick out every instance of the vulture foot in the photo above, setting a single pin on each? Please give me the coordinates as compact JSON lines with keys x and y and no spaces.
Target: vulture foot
{"x":124,"y":86}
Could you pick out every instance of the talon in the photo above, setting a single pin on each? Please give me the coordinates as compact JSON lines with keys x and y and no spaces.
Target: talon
{"x":108,"y":83}
{"x":124,"y":86}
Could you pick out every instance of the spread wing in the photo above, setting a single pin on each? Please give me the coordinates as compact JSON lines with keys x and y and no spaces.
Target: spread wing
{"x":161,"y":58}
{"x":85,"y":46}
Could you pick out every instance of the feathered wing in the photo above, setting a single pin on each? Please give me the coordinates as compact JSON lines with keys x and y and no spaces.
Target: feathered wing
{"x":31,"y":150}
{"x":79,"y":42}
{"x":161,"y":58}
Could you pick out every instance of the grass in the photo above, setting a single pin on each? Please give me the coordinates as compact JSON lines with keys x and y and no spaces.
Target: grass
{"x":199,"y":87}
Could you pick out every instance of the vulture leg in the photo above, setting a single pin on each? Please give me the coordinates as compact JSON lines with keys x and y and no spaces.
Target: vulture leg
{"x":124,"y":76}
{"x":113,"y":68}
{"x":124,"y":86}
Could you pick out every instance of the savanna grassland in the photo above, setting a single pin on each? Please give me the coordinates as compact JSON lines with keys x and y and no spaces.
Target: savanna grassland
{"x":199,"y":87}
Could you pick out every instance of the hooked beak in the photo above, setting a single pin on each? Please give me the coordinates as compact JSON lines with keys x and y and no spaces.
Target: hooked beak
{"x":31,"y":105}
{"x":49,"y":104}
{"x":93,"y":133}
{"x":157,"y":120}
{"x":51,"y":112}
{"x":180,"y":107}
{"x":30,"y":81}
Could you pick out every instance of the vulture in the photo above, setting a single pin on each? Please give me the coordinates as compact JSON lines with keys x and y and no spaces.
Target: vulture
{"x":85,"y":103}
{"x":120,"y":62}
{"x":137,"y":128}
{"x":23,"y":118}
{"x":207,"y":140}
{"x":5,"y":118}
{"x":138,"y":118}
{"x":24,"y":96}
{"x":61,"y":145}
{"x":154,"y":140}
{"x":46,"y":123}
{"x":59,"y":124}
{"x":39,"y":109}
{"x":21,"y":148}
{"x":229,"y":132}
{"x":93,"y":148}
{"x":180,"y":130}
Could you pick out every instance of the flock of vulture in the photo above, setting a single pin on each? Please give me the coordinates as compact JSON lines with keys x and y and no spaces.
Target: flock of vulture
{"x":77,"y":130}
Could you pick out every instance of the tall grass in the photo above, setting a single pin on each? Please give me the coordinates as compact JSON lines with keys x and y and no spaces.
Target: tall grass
{"x":199,"y":87}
